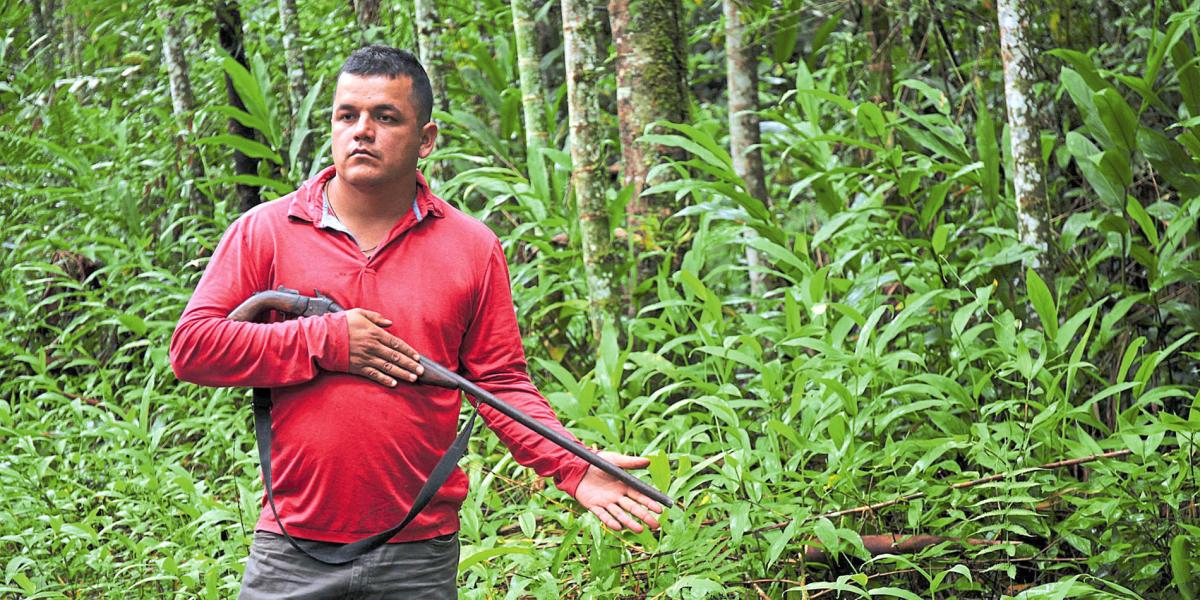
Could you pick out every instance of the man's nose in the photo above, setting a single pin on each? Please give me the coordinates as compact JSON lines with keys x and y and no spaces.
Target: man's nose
{"x":363,"y":128}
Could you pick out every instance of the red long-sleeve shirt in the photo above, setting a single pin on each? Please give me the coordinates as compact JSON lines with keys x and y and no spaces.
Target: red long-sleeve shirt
{"x":348,"y":454}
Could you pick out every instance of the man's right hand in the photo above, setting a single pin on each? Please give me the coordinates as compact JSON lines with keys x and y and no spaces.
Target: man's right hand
{"x":377,"y":354}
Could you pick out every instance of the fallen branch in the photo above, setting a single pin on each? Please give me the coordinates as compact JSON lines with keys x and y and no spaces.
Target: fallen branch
{"x":893,"y":543}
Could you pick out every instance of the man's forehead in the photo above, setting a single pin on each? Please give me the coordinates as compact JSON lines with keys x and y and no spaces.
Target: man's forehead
{"x":376,"y":88}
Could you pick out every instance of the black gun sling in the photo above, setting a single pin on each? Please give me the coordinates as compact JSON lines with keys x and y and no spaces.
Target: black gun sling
{"x":348,"y":552}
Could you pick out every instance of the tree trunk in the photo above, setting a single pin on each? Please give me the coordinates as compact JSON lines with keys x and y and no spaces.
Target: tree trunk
{"x":879,"y":67}
{"x":741,"y":63}
{"x":1033,"y":216}
{"x":297,"y":76}
{"x":366,"y":12}
{"x":547,"y":34}
{"x":183,"y":102}
{"x":429,"y":47}
{"x":529,"y":69}
{"x":584,"y":69}
{"x":651,"y":86}
{"x":229,"y":31}
{"x":43,"y":27}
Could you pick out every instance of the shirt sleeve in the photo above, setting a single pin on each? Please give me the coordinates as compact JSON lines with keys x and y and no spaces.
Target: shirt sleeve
{"x":209,"y":349}
{"x":493,"y":359}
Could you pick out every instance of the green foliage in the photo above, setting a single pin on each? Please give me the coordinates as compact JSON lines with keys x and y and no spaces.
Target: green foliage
{"x":898,"y":350}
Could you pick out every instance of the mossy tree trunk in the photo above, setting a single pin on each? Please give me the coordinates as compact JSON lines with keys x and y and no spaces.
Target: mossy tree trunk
{"x":1029,"y":189}
{"x":584,"y":57}
{"x":651,"y":86}
{"x":529,"y":70}
{"x":366,"y":12}
{"x":44,"y":30}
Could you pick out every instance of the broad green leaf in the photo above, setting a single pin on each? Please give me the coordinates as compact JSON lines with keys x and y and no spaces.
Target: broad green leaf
{"x":1118,"y":118}
{"x":250,"y":148}
{"x":1143,"y":220}
{"x":1043,"y":303}
{"x":488,"y":554}
{"x":871,"y":119}
{"x":1183,"y":566}
{"x":1107,"y":187}
{"x":940,"y":235}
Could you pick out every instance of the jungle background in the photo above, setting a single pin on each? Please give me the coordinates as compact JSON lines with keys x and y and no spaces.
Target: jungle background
{"x":900,"y":297}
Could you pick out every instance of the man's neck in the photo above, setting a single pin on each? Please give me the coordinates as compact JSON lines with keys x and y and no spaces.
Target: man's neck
{"x":364,"y":205}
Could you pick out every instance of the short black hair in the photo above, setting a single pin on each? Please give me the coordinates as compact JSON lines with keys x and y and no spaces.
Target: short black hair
{"x":393,"y":62}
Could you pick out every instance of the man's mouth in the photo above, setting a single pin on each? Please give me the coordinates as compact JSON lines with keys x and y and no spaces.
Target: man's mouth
{"x":361,"y":152}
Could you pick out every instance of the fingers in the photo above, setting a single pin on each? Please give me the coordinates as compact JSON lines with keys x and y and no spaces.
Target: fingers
{"x":375,"y":317}
{"x":625,"y":461}
{"x":644,"y":500}
{"x":624,"y":518}
{"x":606,"y":518}
{"x":398,"y":345}
{"x":640,"y":511}
{"x":377,"y":354}
{"x":377,"y":376}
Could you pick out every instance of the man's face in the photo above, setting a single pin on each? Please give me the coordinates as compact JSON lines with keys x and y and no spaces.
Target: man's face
{"x":376,"y":135}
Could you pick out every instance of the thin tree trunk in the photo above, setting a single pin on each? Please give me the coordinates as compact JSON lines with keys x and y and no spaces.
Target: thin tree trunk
{"x":229,"y":31}
{"x":584,"y":69}
{"x":429,"y":47}
{"x":547,"y":35}
{"x":366,"y":12}
{"x":880,"y":65}
{"x":529,"y":70}
{"x":43,"y":27}
{"x":183,"y":102}
{"x":293,"y":56}
{"x":651,"y":86}
{"x":741,"y":63}
{"x":1033,"y":217}
{"x":74,"y":41}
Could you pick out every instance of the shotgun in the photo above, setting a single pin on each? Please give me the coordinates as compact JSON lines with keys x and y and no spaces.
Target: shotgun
{"x":291,"y":302}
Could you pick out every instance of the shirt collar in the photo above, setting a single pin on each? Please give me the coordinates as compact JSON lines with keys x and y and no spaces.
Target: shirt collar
{"x":330,"y":220}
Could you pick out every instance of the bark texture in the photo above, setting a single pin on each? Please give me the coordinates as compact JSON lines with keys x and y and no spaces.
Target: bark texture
{"x":229,"y":31}
{"x":584,"y":68}
{"x":429,"y":48}
{"x":741,"y":62}
{"x":651,"y":86}
{"x":183,"y":102}
{"x":1028,"y":186}
{"x":366,"y":12}
{"x":296,"y":73}
{"x":44,"y":27}
{"x":529,"y":70}
{"x":879,"y":67}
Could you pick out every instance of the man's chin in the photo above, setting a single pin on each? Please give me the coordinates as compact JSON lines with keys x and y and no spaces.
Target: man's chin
{"x":359,"y":177}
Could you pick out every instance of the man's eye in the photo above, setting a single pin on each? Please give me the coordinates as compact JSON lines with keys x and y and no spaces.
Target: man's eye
{"x":386,"y":119}
{"x":346,"y":117}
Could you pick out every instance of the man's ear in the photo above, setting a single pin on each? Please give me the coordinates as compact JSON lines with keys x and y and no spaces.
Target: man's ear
{"x":429,"y":133}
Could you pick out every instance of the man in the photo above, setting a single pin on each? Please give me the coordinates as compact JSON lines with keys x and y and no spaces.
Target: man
{"x":354,"y":437}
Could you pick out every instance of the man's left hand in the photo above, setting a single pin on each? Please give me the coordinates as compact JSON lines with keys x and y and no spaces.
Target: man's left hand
{"x":614,"y":502}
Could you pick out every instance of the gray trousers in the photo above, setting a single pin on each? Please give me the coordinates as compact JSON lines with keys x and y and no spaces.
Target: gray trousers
{"x":424,"y":569}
